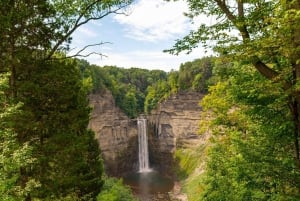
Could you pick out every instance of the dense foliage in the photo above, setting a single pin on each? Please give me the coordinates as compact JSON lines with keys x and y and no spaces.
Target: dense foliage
{"x":262,"y":33}
{"x":128,"y":86}
{"x":114,"y":190}
{"x":139,"y":90}
{"x":13,"y":154}
{"x":47,"y":152}
{"x":56,"y":120}
{"x":252,"y":155}
{"x":250,"y":152}
{"x":194,"y":75}
{"x":252,"y":109}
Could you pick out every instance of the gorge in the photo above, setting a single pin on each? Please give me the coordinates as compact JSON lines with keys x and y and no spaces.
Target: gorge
{"x":147,"y":183}
{"x":172,"y":125}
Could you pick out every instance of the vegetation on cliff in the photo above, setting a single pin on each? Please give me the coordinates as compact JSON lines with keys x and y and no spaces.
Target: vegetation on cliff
{"x":128,"y":86}
{"x":138,"y":90}
{"x":194,"y":75}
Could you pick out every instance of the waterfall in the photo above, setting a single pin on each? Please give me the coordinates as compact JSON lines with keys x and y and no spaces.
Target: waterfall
{"x":143,"y":145}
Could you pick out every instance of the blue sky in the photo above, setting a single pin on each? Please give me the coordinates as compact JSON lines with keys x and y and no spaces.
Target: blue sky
{"x":137,"y":40}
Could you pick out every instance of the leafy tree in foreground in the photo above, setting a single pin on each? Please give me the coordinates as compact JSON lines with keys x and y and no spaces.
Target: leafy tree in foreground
{"x":260,"y":32}
{"x":53,"y":116}
{"x":68,"y":159}
{"x":35,"y":30}
{"x":13,"y":156}
{"x":251,"y":157}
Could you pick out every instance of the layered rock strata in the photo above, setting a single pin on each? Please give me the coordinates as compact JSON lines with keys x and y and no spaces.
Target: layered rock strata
{"x":116,"y":134}
{"x":174,"y":124}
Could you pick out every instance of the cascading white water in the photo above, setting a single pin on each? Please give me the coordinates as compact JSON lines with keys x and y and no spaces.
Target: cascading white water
{"x":143,"y":145}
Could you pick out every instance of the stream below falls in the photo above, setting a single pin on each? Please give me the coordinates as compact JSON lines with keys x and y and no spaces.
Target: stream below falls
{"x":150,"y":185}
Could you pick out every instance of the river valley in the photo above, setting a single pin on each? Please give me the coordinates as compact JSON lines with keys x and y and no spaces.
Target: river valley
{"x":141,"y":151}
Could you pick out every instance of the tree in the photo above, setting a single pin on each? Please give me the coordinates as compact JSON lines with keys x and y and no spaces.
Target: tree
{"x":263,"y":33}
{"x":130,"y":104}
{"x":156,"y":93}
{"x":185,"y":76}
{"x":57,"y":114}
{"x":13,"y":155}
{"x":251,"y":157}
{"x":37,"y":29}
{"x":35,"y":35}
{"x":173,"y":81}
{"x":194,"y":75}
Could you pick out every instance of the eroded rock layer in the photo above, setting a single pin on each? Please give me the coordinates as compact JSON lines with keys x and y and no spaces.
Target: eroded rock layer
{"x":116,"y":134}
{"x":174,"y":124}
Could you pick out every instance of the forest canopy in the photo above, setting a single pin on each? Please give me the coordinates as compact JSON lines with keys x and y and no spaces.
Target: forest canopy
{"x":138,"y":90}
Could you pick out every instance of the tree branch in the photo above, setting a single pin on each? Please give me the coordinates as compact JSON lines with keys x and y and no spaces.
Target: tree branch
{"x":85,"y":55}
{"x":264,"y":69}
{"x":79,"y":23}
{"x":239,"y":23}
{"x":78,"y":54}
{"x":222,"y":5}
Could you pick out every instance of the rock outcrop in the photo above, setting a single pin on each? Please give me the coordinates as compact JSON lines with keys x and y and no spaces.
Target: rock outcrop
{"x":174,"y":124}
{"x":116,"y":134}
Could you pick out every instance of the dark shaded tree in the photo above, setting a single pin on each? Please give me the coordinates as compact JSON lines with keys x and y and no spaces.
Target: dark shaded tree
{"x":68,"y":159}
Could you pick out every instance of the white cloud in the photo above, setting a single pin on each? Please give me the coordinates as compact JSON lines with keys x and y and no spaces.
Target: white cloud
{"x":150,"y":26}
{"x":146,"y":59}
{"x":154,"y":20}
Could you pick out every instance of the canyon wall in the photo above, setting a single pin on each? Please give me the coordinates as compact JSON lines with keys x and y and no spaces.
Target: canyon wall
{"x":174,"y":124}
{"x":116,"y":134}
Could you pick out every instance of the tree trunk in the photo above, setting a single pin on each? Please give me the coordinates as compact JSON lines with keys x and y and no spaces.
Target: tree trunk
{"x":294,"y":107}
{"x":13,"y":85}
{"x":295,"y":60}
{"x":13,"y":71}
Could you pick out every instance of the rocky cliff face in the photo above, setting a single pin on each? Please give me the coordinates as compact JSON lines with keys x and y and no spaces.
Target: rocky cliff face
{"x":174,"y":124}
{"x":116,"y":134}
